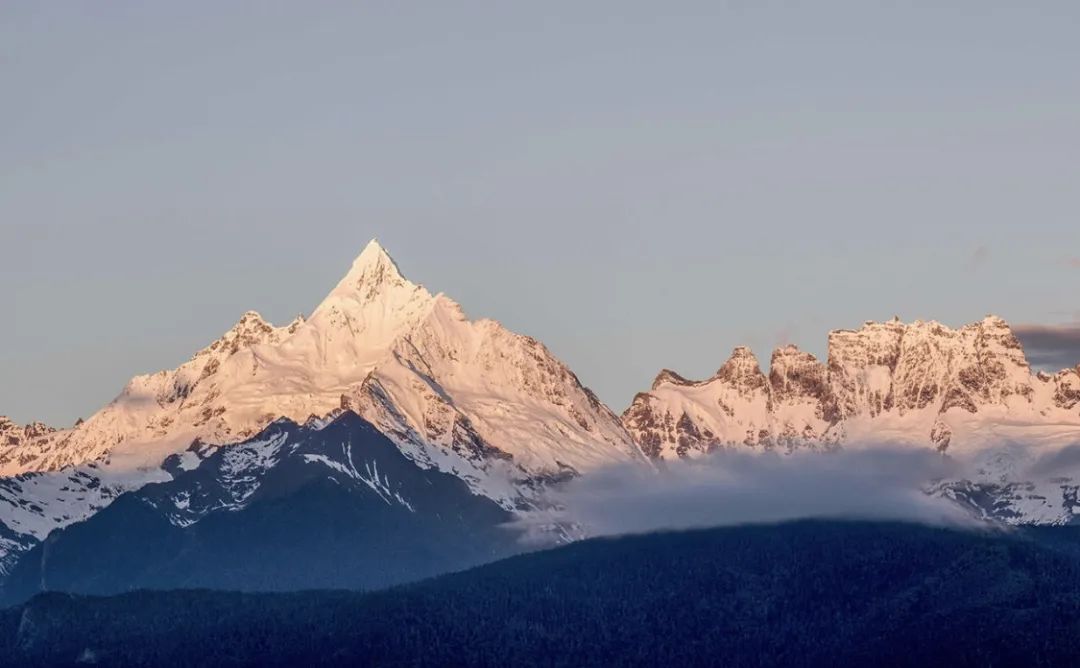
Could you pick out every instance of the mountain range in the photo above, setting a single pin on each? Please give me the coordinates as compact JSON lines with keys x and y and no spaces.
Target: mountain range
{"x":922,"y":383}
{"x":384,"y":373}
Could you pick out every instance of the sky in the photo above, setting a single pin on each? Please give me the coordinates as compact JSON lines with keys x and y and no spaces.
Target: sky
{"x":639,"y":185}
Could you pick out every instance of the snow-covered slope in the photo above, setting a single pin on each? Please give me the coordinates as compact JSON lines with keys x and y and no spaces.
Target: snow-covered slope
{"x":466,"y":397}
{"x":295,"y":507}
{"x":967,"y":392}
{"x":486,"y":397}
{"x":33,"y":504}
{"x":252,"y":375}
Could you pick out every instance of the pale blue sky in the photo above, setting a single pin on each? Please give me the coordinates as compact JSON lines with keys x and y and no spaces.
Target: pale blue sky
{"x":639,"y":185}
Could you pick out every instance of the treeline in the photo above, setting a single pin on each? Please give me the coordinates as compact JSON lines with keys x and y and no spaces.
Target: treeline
{"x":799,"y":594}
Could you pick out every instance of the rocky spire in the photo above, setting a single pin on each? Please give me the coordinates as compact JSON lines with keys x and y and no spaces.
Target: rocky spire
{"x":742,"y":370}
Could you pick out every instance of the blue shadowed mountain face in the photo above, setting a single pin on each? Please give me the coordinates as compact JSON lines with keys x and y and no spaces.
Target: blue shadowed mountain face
{"x":293,"y":508}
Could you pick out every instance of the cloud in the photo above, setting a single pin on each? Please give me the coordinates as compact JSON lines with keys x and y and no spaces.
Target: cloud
{"x":1061,"y":462}
{"x":1050,"y":347}
{"x":732,"y":487}
{"x":1072,"y":261}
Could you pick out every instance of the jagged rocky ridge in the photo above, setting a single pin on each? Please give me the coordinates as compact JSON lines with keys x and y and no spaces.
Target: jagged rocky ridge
{"x":969,"y":392}
{"x":922,"y":383}
{"x":22,"y":438}
{"x":739,"y":405}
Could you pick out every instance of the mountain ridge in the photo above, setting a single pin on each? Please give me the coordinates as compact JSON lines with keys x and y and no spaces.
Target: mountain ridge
{"x":922,"y":372}
{"x":500,"y":411}
{"x":466,"y":397}
{"x":256,"y":372}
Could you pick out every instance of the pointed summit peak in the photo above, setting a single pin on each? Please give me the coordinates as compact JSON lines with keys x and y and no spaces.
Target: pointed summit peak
{"x":374,"y":261}
{"x":373,"y":301}
{"x":373,"y":272}
{"x":373,"y":251}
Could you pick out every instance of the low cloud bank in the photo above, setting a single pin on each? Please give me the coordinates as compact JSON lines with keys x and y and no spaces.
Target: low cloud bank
{"x":1063,"y":461}
{"x":728,"y":488}
{"x":1050,"y":347}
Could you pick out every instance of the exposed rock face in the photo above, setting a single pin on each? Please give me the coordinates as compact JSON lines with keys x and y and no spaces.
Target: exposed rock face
{"x":1066,"y":387}
{"x":738,"y":406}
{"x":742,"y":372}
{"x":12,"y":435}
{"x":887,"y":366}
{"x":920,"y":382}
{"x":798,"y":377}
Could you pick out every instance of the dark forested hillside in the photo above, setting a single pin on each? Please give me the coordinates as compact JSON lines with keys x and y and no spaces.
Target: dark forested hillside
{"x":799,"y":594}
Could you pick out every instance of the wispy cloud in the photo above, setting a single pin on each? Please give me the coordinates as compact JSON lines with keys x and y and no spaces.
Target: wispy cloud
{"x":1050,"y":347}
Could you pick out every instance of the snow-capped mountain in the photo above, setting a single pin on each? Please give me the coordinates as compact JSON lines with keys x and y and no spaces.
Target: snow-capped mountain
{"x":375,"y":333}
{"x":499,"y":411}
{"x":327,"y":505}
{"x":922,"y":383}
{"x":466,"y":397}
{"x":967,"y":392}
